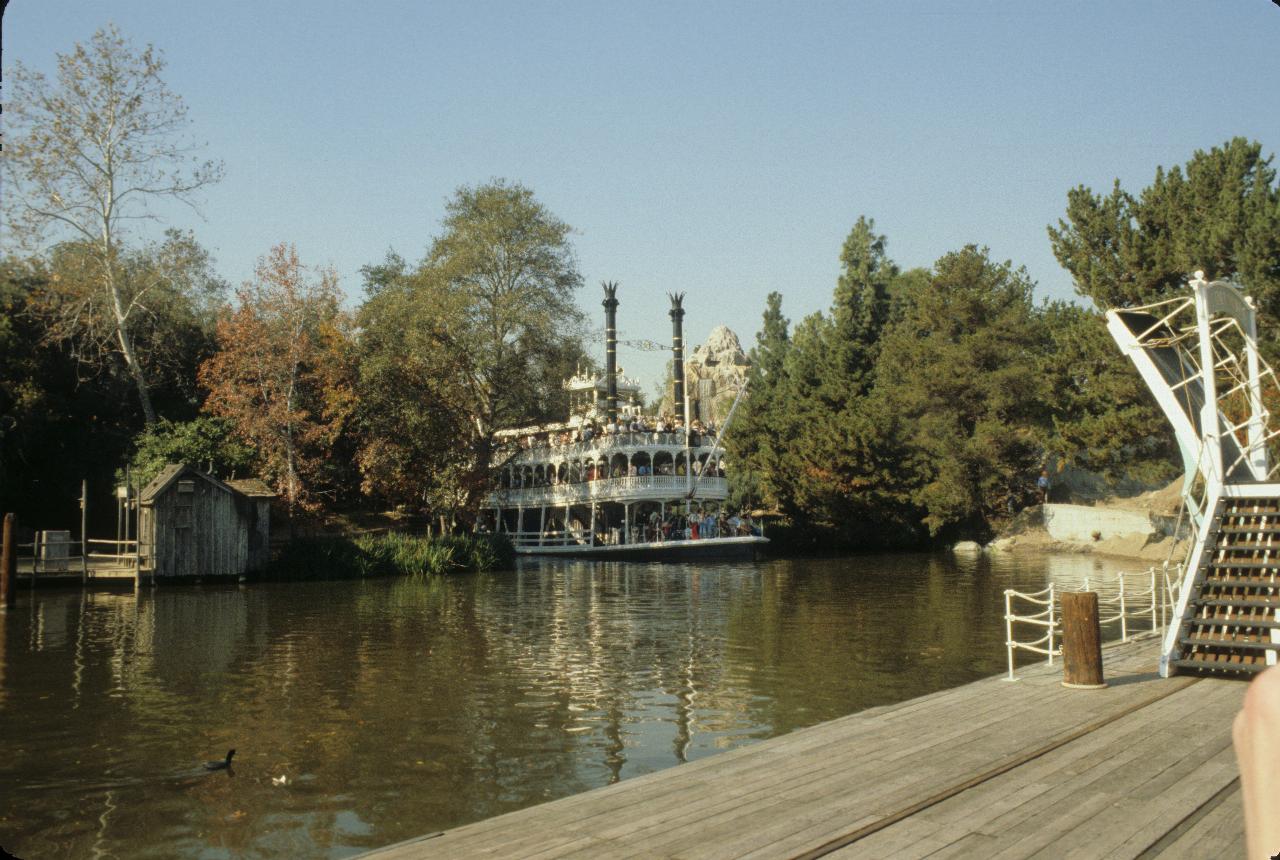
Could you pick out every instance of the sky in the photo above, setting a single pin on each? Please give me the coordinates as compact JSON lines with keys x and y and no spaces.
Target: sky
{"x":723,"y":150}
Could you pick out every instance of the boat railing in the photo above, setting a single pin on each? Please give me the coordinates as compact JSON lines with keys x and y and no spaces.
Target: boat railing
{"x":623,"y":440}
{"x":1128,"y":601}
{"x":607,"y":488}
{"x":615,"y":536}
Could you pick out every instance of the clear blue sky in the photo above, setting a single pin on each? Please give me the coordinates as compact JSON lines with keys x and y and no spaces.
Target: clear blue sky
{"x":719,"y":149}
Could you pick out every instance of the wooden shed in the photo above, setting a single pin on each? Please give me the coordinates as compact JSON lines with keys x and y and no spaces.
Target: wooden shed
{"x":192,"y":525}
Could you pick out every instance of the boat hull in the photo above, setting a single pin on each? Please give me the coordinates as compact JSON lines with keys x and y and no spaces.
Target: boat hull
{"x":672,"y":550}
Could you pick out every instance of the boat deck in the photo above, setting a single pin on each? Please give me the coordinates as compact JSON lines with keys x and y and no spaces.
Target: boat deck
{"x":990,"y":769}
{"x":727,"y":547}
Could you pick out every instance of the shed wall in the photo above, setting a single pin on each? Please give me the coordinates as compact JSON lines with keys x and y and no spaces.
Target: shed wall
{"x":204,"y":532}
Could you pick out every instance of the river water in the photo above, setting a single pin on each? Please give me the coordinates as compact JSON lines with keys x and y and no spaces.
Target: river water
{"x":395,"y":708}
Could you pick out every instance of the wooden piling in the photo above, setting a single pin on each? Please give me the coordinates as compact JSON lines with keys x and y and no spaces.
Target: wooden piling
{"x":1081,"y":641}
{"x":8,"y":563}
{"x":84,"y":541}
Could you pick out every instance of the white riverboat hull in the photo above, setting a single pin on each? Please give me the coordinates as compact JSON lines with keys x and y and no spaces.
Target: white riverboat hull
{"x":671,"y":550}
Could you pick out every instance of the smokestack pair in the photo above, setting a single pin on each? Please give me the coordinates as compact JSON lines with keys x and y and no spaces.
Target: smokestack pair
{"x":611,"y":350}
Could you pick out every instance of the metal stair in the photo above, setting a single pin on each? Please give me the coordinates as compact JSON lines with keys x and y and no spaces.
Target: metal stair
{"x":1199,"y":356}
{"x":1229,"y":627}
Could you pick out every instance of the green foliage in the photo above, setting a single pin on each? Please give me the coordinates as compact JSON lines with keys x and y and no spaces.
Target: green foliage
{"x":1219,"y":214}
{"x":393,"y":554}
{"x":56,"y":428}
{"x":958,"y":374}
{"x":477,"y":337}
{"x":757,"y":439}
{"x":85,"y":152}
{"x":206,"y":442}
{"x":1104,"y":417}
{"x":915,"y":409}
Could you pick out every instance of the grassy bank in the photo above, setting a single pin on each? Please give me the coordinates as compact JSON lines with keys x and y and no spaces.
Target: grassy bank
{"x":333,"y":557}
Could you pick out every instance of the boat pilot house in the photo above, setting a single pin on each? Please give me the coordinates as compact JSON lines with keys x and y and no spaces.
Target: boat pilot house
{"x":193,"y":525}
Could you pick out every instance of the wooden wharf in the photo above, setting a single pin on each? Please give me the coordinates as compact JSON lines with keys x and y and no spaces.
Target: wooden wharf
{"x":992,"y":769}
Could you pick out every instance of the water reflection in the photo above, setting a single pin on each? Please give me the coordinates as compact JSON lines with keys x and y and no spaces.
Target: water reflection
{"x":396,"y":708}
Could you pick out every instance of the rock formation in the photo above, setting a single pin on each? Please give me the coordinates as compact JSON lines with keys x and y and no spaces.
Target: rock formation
{"x":713,"y":374}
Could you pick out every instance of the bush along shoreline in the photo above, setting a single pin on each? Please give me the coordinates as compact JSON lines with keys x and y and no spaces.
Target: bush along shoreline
{"x":337,"y":557}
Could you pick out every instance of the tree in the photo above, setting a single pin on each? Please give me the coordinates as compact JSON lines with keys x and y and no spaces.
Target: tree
{"x":56,"y":429}
{"x":756,"y":441}
{"x":87,"y":155}
{"x":206,"y":442}
{"x":283,"y":375}
{"x":409,"y":389}
{"x":490,"y":314}
{"x":859,"y":310}
{"x":1104,"y":417}
{"x":173,"y":296}
{"x":1220,"y":215}
{"x":958,"y":380}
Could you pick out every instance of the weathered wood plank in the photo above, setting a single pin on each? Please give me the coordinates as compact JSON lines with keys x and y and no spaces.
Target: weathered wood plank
{"x":992,"y":768}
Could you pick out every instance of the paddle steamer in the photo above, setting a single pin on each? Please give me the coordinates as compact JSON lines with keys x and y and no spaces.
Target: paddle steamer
{"x":611,"y":482}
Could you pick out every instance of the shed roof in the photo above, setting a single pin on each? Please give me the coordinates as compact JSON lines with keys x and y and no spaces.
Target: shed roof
{"x":169,"y":474}
{"x":254,"y":487}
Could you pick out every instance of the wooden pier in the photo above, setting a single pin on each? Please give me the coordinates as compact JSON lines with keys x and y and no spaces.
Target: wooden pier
{"x":993,"y":769}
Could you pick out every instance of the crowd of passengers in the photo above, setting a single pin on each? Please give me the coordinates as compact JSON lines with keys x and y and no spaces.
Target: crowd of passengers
{"x":669,"y":426}
{"x":696,"y":526}
{"x":592,"y":472}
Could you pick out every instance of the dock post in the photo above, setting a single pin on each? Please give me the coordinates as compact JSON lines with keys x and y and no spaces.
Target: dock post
{"x":8,"y":563}
{"x":1081,"y":641}
{"x":84,"y":542}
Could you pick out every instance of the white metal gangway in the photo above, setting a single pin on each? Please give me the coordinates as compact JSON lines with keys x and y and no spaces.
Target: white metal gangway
{"x":1199,"y":356}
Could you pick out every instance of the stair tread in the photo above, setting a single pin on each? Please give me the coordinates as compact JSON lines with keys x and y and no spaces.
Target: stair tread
{"x":1243,"y":530}
{"x":1205,"y":665}
{"x":1238,"y":604}
{"x":1231,"y":643}
{"x":1243,"y":581}
{"x":1237,"y":621}
{"x":1248,"y":565}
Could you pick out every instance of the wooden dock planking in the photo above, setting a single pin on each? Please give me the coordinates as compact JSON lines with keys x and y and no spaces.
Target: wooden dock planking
{"x":992,"y":769}
{"x":1088,"y":795}
{"x":1214,"y":833}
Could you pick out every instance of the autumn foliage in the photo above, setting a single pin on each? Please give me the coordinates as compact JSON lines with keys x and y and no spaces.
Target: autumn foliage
{"x":283,"y":375}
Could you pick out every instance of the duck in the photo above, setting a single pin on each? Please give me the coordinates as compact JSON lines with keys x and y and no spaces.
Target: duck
{"x":220,"y":765}
{"x":283,"y":779}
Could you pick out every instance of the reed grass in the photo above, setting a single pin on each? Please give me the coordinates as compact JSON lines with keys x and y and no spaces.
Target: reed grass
{"x":390,"y":554}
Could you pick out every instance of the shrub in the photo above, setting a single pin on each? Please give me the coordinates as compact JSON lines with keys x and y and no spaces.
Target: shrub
{"x":391,"y":554}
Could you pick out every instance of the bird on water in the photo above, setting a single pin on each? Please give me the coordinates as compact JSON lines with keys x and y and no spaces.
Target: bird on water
{"x":220,"y":765}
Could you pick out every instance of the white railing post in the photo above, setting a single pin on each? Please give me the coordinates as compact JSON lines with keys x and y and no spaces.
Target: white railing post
{"x":1153,"y":598}
{"x":1124,"y":629}
{"x":1051,"y":622}
{"x":1008,"y":629}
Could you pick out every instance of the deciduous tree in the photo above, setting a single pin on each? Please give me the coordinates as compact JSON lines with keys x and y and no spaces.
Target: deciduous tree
{"x":489,"y":323}
{"x":87,"y":154}
{"x":283,"y":374}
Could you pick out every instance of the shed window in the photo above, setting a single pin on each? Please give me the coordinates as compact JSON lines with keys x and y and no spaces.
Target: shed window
{"x":186,"y":486}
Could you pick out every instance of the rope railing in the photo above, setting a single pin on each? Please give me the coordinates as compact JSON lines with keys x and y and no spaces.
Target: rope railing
{"x":1044,"y":619}
{"x":1122,"y":603}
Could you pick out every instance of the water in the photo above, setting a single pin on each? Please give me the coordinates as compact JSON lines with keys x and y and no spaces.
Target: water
{"x":398,"y":708}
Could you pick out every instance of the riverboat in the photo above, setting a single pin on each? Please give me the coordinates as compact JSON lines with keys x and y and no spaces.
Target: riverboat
{"x":610,"y":482}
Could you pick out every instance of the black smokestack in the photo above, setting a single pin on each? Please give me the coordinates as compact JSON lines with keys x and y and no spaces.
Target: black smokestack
{"x":611,"y":347}
{"x":677,"y":352}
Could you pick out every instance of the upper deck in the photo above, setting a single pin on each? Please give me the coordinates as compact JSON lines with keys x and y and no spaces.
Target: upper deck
{"x":628,"y":466}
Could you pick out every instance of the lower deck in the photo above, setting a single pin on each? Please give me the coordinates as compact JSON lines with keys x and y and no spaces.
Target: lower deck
{"x":682,"y":550}
{"x":990,"y":769}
